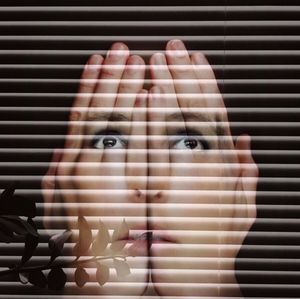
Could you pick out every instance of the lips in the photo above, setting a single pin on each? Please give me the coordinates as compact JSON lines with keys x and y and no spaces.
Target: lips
{"x":162,"y":237}
{"x":142,"y":242}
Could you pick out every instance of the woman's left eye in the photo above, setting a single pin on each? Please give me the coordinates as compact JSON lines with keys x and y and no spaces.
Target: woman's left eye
{"x":193,"y":143}
{"x":108,"y":141}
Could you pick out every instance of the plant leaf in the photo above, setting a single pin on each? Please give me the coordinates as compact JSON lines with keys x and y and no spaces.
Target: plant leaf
{"x":56,"y":243}
{"x":6,"y":234}
{"x":120,"y":237}
{"x":85,"y":237}
{"x":8,"y":192}
{"x":24,"y":277}
{"x":31,"y":223}
{"x":81,"y":277}
{"x":122,"y":268}
{"x":5,"y":238}
{"x":102,"y":274}
{"x":31,"y":242}
{"x":12,"y":226}
{"x":56,"y":279}
{"x":102,"y":239}
{"x":37,"y":278}
{"x":16,"y":219}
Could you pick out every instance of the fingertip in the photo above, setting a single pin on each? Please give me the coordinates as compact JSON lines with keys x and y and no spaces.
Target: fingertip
{"x":198,"y":58}
{"x":158,"y":59}
{"x":243,"y":142}
{"x":95,"y":59}
{"x":119,"y":48}
{"x":136,"y":59}
{"x":141,"y":98}
{"x":135,"y":66}
{"x":143,"y":92}
{"x":155,"y":90}
{"x":175,"y":44}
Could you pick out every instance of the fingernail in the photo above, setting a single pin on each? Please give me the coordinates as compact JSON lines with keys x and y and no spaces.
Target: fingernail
{"x":135,"y":59}
{"x":177,"y":44}
{"x":177,"y":47}
{"x":159,"y":58}
{"x":197,"y":58}
{"x":135,"y":63}
{"x":118,"y":49}
{"x":93,"y":61}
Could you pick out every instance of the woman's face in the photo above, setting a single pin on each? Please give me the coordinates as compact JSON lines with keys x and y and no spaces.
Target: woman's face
{"x":163,"y":161}
{"x":163,"y":172}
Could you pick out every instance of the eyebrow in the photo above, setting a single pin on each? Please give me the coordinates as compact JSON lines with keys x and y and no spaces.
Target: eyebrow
{"x":191,"y":116}
{"x":107,"y":116}
{"x":177,"y":116}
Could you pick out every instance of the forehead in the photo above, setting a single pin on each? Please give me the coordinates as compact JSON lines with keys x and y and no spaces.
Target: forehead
{"x":171,"y":118}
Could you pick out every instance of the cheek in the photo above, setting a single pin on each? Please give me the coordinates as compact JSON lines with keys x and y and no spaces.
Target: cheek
{"x":196,"y":171}
{"x":100,"y":170}
{"x":200,"y":182}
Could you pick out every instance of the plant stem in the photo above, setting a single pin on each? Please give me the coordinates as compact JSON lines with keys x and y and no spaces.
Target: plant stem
{"x":54,"y":265}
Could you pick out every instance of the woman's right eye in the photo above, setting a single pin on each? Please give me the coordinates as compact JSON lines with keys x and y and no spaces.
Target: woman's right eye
{"x":108,"y":141}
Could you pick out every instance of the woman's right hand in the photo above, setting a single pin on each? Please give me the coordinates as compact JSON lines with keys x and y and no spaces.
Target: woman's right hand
{"x":102,"y":171}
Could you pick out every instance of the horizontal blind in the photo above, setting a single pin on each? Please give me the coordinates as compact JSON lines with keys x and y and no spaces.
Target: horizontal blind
{"x":253,"y":47}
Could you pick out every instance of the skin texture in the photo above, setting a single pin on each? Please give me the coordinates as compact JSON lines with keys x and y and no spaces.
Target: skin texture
{"x":163,"y":160}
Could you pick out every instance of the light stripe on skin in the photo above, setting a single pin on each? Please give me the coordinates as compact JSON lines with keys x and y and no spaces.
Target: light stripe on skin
{"x":118,"y":54}
{"x":141,"y":130}
{"x":155,"y":100}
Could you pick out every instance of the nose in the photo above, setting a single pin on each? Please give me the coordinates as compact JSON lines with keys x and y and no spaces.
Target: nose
{"x":156,"y":196}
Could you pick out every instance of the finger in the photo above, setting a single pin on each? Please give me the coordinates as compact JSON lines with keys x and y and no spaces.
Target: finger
{"x":82,"y":101}
{"x":132,"y":82}
{"x":161,"y":77}
{"x":204,"y":73}
{"x":76,"y":129}
{"x":185,"y":80}
{"x":48,"y":184}
{"x":156,"y":101}
{"x":249,"y":168}
{"x":160,"y":74}
{"x":137,"y":164}
{"x":110,"y":76}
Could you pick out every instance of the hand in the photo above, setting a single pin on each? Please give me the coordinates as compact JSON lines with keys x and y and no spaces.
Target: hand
{"x":96,"y":173}
{"x":204,"y":181}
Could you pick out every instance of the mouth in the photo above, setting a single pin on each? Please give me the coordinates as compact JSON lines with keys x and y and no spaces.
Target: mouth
{"x":153,"y":237}
{"x":140,"y":243}
{"x":162,"y":237}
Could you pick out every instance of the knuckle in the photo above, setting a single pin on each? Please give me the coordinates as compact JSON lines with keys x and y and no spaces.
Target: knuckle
{"x":47,"y":182}
{"x":107,"y":73}
{"x":181,"y":71}
{"x":87,"y":84}
{"x":75,"y":115}
{"x":62,"y":171}
{"x":125,"y":88}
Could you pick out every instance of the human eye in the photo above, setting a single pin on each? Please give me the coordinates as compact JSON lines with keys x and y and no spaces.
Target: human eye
{"x":190,"y":141}
{"x":108,"y":140}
